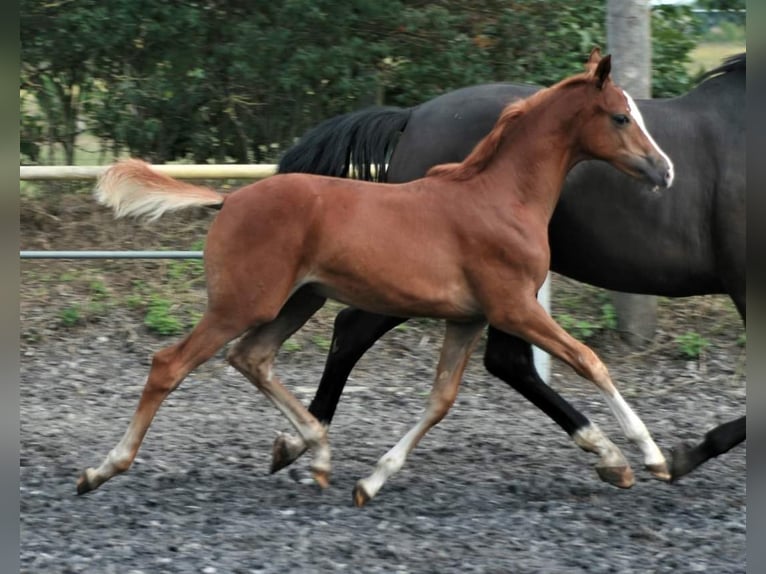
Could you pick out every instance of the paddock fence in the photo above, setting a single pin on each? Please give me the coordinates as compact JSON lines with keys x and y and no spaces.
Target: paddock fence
{"x":189,"y":171}
{"x":91,"y":173}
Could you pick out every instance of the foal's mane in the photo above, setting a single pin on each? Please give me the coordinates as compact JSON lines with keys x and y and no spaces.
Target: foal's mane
{"x":486,"y":149}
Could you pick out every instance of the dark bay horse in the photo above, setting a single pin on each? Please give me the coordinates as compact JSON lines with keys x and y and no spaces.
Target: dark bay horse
{"x":607,"y":230}
{"x":280,"y":247}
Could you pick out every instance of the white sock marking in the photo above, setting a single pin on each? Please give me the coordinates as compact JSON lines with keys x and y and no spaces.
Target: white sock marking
{"x":634,"y":428}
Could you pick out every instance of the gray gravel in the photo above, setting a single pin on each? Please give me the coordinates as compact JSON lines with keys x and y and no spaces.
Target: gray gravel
{"x":496,"y":487}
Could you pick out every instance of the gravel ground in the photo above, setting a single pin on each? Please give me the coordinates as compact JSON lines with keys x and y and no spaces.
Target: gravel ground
{"x":496,"y":487}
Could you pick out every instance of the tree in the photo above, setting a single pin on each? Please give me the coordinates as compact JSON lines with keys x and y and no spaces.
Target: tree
{"x":628,"y":25}
{"x":60,"y":41}
{"x":675,"y":31}
{"x":236,"y":80}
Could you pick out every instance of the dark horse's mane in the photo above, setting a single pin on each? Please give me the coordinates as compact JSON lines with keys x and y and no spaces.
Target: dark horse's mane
{"x":734,"y":63}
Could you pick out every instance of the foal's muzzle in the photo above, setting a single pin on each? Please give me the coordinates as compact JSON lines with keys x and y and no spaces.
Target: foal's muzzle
{"x":654,"y":168}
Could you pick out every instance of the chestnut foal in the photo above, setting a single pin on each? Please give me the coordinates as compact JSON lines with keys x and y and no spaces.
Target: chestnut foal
{"x":468,"y":243}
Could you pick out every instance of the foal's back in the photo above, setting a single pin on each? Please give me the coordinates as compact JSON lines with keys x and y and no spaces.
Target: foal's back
{"x":387,"y":244}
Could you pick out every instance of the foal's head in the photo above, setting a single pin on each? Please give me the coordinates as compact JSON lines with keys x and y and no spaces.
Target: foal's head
{"x":613,"y":129}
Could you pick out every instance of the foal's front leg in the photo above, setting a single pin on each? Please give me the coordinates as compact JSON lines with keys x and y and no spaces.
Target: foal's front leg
{"x":530,"y":321}
{"x":459,"y":341}
{"x":510,"y":359}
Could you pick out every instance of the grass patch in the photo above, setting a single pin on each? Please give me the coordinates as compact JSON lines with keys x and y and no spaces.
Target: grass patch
{"x":691,"y":345}
{"x":160,"y":317}
{"x":292,"y":345}
{"x":708,"y":55}
{"x":322,"y":342}
{"x":70,"y":316}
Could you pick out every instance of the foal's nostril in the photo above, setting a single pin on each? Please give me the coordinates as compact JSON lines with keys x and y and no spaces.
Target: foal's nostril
{"x":664,"y":168}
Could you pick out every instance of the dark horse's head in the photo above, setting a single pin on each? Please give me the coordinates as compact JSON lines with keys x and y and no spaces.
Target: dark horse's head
{"x":615,"y":130}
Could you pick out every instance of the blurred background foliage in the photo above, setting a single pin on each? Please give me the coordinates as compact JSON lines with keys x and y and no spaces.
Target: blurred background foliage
{"x":238,"y":80}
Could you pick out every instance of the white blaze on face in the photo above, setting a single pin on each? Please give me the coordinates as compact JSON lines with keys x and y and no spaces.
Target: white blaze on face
{"x":635,"y":113}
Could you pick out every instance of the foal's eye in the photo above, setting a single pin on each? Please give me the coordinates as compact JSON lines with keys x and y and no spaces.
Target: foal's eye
{"x":621,"y":119}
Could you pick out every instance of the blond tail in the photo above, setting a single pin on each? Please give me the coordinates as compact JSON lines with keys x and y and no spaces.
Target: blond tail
{"x":132,"y":187}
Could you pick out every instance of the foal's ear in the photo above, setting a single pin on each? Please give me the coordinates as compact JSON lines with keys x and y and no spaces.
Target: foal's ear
{"x":602,"y":70}
{"x":593,"y":60}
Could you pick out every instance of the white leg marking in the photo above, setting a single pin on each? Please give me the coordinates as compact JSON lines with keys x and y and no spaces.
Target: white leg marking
{"x":117,"y":461}
{"x":393,"y":460}
{"x":634,"y":428}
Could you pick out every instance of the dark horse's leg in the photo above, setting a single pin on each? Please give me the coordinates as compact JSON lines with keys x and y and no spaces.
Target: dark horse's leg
{"x":354,"y":333}
{"x":510,"y":359}
{"x":685,"y":458}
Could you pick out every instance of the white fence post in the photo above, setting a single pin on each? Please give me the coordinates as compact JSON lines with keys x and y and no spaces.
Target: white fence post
{"x":541,"y":358}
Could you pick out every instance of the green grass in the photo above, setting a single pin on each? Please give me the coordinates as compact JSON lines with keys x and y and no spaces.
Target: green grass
{"x":322,"y":342}
{"x":291,"y":345}
{"x":160,"y":317}
{"x":708,"y":55}
{"x":691,"y":344}
{"x":70,"y":316}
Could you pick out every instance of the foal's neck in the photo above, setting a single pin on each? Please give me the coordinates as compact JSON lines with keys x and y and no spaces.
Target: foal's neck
{"x":535,"y":155}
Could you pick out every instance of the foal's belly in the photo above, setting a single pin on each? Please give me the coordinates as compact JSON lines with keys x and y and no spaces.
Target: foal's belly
{"x":401,"y":295}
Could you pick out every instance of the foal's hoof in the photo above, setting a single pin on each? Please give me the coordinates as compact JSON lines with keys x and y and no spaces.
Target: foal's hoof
{"x":83,"y":483}
{"x":360,"y":496}
{"x":322,"y":477}
{"x":659,"y":471}
{"x":282,"y":453}
{"x":620,"y":476}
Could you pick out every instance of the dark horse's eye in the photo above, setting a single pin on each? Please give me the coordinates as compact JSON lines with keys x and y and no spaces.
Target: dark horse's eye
{"x":621,"y":119}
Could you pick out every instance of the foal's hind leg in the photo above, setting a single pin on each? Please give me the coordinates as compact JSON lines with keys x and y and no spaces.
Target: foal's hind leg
{"x":459,"y":341}
{"x":169,"y":367}
{"x":354,"y":332}
{"x":254,"y":356}
{"x":510,"y":359}
{"x":536,"y":326}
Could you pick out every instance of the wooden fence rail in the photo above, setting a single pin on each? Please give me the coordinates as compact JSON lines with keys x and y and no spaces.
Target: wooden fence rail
{"x":91,"y":172}
{"x":181,"y":171}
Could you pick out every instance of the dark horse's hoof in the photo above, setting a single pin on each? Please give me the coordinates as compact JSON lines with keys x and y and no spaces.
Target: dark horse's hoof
{"x":681,"y":461}
{"x":83,"y":483}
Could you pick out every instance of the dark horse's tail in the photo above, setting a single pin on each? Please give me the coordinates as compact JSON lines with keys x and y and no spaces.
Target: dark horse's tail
{"x":362,"y":140}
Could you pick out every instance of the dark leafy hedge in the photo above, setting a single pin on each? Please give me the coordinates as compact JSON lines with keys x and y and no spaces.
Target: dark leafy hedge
{"x":239,"y":80}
